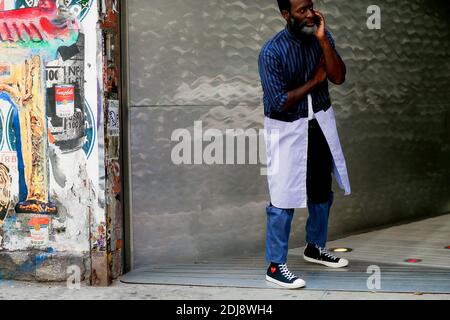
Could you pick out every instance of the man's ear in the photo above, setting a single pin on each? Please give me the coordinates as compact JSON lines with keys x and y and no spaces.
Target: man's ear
{"x":286,"y":15}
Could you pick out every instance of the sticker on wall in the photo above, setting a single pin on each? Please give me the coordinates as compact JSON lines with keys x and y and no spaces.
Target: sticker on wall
{"x":38,"y":226}
{"x":99,"y":238}
{"x":65,"y":100}
{"x":113,"y":118}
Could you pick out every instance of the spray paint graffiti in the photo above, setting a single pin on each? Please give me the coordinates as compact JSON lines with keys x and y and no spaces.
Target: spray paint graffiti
{"x":46,"y":123}
{"x":36,"y":32}
{"x":22,"y":90}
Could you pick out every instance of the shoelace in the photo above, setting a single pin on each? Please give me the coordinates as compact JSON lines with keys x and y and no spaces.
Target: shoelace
{"x":285,"y":272}
{"x":324,"y":252}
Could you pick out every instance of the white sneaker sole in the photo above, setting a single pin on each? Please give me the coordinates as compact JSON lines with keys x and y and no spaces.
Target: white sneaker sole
{"x":299,"y":283}
{"x":341,"y":264}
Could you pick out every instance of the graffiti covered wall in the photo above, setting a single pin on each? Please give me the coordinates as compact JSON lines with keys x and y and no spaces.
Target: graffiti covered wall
{"x":50,"y":197}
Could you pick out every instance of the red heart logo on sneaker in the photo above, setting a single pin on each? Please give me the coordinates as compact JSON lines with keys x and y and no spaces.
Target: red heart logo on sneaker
{"x":273,"y":269}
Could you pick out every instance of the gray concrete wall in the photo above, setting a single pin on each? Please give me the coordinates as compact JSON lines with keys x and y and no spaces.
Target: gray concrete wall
{"x":194,"y":60}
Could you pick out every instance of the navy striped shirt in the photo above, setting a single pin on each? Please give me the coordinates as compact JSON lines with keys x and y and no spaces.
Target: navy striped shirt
{"x":286,"y":63}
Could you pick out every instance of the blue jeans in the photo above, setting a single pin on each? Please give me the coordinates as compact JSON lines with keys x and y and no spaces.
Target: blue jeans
{"x":279,"y":228}
{"x":317,"y":223}
{"x":320,"y":198}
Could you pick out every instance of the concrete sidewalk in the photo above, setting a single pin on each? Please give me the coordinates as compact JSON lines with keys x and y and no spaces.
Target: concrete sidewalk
{"x":423,"y":239}
{"x":13,"y":290}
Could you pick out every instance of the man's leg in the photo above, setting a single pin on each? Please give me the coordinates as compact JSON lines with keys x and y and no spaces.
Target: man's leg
{"x":318,"y":185}
{"x":317,"y":223}
{"x":277,"y":235}
{"x":320,"y":199}
{"x":277,"y":238}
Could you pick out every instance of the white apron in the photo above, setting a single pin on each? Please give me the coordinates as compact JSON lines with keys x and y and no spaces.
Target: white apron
{"x":287,"y":154}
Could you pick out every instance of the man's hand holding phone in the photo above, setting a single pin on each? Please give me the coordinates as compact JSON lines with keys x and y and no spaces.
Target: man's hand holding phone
{"x":319,"y":20}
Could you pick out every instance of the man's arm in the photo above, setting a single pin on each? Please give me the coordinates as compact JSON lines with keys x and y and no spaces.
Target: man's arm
{"x":274,"y":83}
{"x":300,"y":93}
{"x":335,"y":67}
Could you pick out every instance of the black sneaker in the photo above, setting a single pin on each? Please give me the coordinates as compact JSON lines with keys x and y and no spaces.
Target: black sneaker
{"x":280,"y":274}
{"x":316,"y":254}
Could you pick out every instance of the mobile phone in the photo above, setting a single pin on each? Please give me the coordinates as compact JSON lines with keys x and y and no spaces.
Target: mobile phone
{"x":317,"y":20}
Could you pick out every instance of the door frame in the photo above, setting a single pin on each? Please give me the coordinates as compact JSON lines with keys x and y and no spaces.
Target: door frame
{"x":125,"y":144}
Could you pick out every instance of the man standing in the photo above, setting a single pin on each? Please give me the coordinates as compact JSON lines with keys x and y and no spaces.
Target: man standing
{"x":303,"y":147}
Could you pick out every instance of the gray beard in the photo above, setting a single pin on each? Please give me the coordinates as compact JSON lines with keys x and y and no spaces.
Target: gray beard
{"x":308,"y":31}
